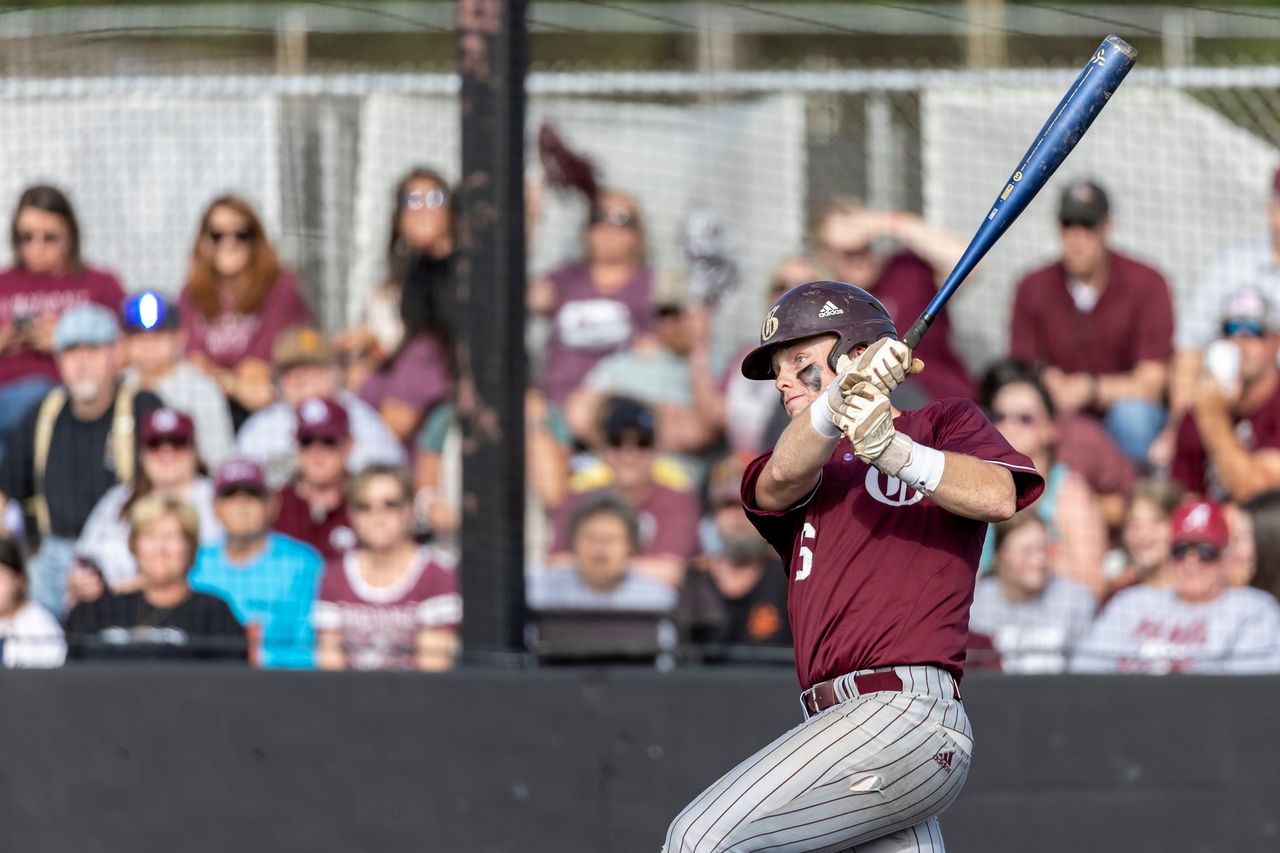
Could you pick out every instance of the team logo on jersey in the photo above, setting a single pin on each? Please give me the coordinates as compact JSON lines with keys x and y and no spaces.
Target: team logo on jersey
{"x":770,"y":327}
{"x":890,"y":491}
{"x":830,"y":310}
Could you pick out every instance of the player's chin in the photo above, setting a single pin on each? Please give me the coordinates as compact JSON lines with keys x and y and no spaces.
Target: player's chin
{"x":795,"y":405}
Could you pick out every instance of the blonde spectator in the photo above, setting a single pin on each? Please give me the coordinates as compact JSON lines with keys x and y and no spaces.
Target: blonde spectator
{"x":387,"y":604}
{"x":163,"y":617}
{"x":1146,"y":535}
{"x":30,"y":637}
{"x":237,"y":299}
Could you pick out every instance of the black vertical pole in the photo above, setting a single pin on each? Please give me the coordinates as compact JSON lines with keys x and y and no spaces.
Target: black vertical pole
{"x":491,"y":317}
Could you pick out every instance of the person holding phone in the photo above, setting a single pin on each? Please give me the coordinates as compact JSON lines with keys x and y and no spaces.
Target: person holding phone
{"x":48,"y":278}
{"x":1228,"y":443}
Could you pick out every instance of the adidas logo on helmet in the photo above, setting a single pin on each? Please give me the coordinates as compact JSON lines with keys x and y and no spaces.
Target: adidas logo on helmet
{"x":830,"y":310}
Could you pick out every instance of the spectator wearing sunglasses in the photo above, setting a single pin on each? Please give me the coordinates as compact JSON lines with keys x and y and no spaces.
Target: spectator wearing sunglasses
{"x":1251,"y":264}
{"x":388,"y":603}
{"x":657,"y":490}
{"x":1101,"y":324}
{"x":154,"y":345}
{"x":1198,"y":625}
{"x":401,"y":358}
{"x":1228,"y":445}
{"x":237,"y":299}
{"x":312,"y":507}
{"x":902,"y":260}
{"x":48,"y":277}
{"x":269,"y":579}
{"x":598,"y":305}
{"x":169,"y":467}
{"x":1022,"y":409}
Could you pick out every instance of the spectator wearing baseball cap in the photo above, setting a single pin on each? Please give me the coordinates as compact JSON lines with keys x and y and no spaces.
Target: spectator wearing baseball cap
{"x":312,"y":507}
{"x":1215,"y":453}
{"x":657,"y":489}
{"x":154,"y":344}
{"x":1200,"y":624}
{"x":269,"y":579}
{"x":72,"y":447}
{"x":1101,"y":324}
{"x":305,"y":365}
{"x":237,"y":300}
{"x":169,"y":467}
{"x":48,"y":277}
{"x":1253,"y":263}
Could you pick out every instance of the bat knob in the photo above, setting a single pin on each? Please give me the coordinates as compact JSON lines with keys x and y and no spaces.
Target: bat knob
{"x":917,"y":366}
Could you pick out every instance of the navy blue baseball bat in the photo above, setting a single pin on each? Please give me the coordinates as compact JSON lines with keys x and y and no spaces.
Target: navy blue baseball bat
{"x":1059,"y":136}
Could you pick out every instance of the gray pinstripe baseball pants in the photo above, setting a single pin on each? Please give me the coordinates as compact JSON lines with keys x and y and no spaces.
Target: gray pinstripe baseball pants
{"x":870,"y":774}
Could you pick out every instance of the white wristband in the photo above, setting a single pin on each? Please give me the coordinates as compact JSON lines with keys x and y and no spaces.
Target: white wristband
{"x":924,"y":471}
{"x":822,"y":418}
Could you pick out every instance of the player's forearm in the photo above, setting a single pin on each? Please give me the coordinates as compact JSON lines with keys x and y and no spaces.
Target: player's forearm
{"x":975,"y":489}
{"x":796,"y":463}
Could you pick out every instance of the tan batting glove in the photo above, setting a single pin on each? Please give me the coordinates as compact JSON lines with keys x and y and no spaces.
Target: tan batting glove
{"x":866,"y":419}
{"x":885,"y":364}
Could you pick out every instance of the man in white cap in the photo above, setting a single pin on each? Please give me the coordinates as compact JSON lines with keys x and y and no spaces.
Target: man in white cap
{"x":68,"y":450}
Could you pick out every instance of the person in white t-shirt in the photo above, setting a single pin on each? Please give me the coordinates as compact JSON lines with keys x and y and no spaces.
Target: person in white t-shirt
{"x":1199,"y":625}
{"x":30,"y":637}
{"x":1033,"y":618}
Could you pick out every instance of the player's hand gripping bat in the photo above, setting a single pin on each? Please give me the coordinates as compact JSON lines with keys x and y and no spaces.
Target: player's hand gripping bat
{"x":1059,"y":136}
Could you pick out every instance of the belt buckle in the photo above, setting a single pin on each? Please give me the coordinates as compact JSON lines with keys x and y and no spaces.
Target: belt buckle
{"x":811,"y":701}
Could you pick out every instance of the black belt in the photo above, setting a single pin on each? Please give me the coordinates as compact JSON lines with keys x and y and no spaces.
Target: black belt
{"x":822,"y":696}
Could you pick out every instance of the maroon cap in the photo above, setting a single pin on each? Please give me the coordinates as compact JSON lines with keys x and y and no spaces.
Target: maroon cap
{"x":239,"y":474}
{"x":320,"y":417}
{"x":167,"y":425}
{"x":1275,"y":182}
{"x":1200,"y":520}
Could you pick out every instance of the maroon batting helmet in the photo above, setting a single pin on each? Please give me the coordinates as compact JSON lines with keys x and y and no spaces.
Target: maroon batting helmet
{"x":819,"y":308}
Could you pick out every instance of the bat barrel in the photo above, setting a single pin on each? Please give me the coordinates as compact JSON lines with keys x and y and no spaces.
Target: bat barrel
{"x":1066,"y":125}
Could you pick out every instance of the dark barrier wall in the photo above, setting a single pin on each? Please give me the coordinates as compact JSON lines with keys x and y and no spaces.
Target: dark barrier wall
{"x":591,"y":761}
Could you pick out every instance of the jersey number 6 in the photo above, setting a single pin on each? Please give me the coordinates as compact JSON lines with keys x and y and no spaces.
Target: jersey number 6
{"x":806,"y":553}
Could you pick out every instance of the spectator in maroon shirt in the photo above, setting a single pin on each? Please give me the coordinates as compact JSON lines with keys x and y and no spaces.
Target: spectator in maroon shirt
{"x":47,"y":278}
{"x":312,"y":507}
{"x":598,"y":305}
{"x":236,"y":301}
{"x":1228,"y":444}
{"x":1100,"y":322}
{"x":656,"y":488}
{"x":852,"y":240}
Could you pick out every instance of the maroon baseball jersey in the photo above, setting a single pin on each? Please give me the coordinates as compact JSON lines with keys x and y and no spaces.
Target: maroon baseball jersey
{"x":1191,"y":465}
{"x":1132,"y":321}
{"x":905,"y":287}
{"x":331,"y":535}
{"x":379,"y":626}
{"x":880,"y":574}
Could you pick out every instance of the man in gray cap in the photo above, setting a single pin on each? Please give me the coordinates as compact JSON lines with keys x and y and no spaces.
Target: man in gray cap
{"x":68,"y":450}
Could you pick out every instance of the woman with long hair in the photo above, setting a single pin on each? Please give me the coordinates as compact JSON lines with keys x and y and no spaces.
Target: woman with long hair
{"x":30,"y":636}
{"x":389,"y":603}
{"x":48,"y":277}
{"x":600,"y":303}
{"x":400,"y":359}
{"x":169,"y":467}
{"x":237,"y":299}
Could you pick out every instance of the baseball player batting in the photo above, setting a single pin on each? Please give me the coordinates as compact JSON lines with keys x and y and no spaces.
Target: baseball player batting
{"x":879,"y":516}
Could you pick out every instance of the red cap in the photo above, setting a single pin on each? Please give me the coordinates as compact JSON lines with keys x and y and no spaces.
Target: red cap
{"x":320,"y":417}
{"x":239,"y":474}
{"x":1275,"y":182}
{"x":167,"y":425}
{"x":1200,"y":520}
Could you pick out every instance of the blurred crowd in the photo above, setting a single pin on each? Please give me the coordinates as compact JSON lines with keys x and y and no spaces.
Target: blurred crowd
{"x":201,"y":472}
